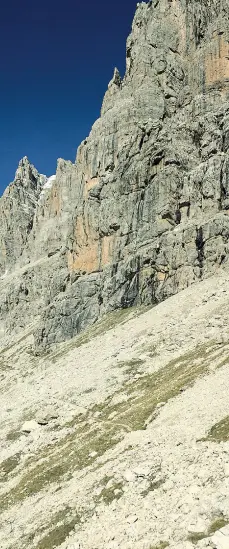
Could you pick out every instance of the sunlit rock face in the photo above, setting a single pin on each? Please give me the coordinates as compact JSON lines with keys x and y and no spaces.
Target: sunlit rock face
{"x":143,"y":212}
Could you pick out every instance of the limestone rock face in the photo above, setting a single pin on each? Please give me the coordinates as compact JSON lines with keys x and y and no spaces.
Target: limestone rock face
{"x":143,"y":212}
{"x":17,"y":209}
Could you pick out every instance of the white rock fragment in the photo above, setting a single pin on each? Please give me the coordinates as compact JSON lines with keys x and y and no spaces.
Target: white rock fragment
{"x":93,"y":454}
{"x":129,"y":476}
{"x":220,"y":540}
{"x":45,"y":416}
{"x":142,"y":472}
{"x":117,"y":492}
{"x":29,"y":426}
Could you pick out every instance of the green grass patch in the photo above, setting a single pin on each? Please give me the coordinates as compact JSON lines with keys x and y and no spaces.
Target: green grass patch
{"x":13,"y":435}
{"x":161,"y":545}
{"x":62,"y":524}
{"x":153,"y":485}
{"x":8,"y":465}
{"x":145,"y":393}
{"x":217,"y":524}
{"x":107,"y":495}
{"x":131,"y":366}
{"x":16,"y":342}
{"x":197,"y":536}
{"x":57,"y":463}
{"x":219,"y":432}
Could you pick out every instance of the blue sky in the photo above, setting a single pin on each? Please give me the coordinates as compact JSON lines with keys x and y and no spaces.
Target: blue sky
{"x":56,"y":59}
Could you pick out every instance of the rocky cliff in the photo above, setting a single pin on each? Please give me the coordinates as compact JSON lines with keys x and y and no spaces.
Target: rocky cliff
{"x":143,"y":212}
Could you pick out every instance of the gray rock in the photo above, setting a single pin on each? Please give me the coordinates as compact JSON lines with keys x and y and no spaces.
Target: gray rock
{"x":45,"y":416}
{"x":29,"y":426}
{"x":143,"y":212}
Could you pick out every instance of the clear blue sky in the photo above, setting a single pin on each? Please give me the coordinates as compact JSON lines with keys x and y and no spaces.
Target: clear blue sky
{"x":56,"y":59}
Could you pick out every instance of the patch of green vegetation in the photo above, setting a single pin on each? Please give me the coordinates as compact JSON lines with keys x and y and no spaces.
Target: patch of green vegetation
{"x":217,"y":524}
{"x":9,"y":464}
{"x":131,"y":366}
{"x":56,"y":536}
{"x":57,"y":463}
{"x":154,"y":485}
{"x":13,"y":435}
{"x":107,"y":495}
{"x":161,"y":545}
{"x":61,"y":526}
{"x":88,"y":391}
{"x":145,"y":393}
{"x":219,"y":432}
{"x":196,"y":536}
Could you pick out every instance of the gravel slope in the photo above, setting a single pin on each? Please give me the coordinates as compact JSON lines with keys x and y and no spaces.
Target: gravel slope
{"x":120,"y":452}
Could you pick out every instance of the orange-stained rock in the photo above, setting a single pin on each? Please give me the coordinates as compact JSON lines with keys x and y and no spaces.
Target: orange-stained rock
{"x":161,"y":277}
{"x":87,"y":261}
{"x":107,"y":250}
{"x":217,"y":61}
{"x":92,"y":254}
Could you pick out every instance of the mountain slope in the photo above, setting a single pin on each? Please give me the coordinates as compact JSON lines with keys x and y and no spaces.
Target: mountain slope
{"x":129,"y":446}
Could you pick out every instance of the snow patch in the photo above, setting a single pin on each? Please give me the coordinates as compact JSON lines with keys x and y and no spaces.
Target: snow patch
{"x":47,"y":185}
{"x":49,"y":182}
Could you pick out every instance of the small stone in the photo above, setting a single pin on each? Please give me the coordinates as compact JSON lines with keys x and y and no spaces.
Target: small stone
{"x":29,"y":426}
{"x":47,"y":415}
{"x":129,"y":476}
{"x":110,"y":483}
{"x":97,"y":414}
{"x":168,"y":485}
{"x":226,"y":470}
{"x":93,"y":454}
{"x":111,"y":416}
{"x":160,"y":405}
{"x":117,"y":492}
{"x":81,"y":411}
{"x":141,"y":471}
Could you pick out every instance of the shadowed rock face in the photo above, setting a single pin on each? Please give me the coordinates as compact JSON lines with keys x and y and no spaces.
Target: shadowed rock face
{"x":143,"y":212}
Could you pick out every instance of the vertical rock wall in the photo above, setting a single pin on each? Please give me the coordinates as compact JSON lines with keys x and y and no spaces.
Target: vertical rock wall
{"x":144,"y":211}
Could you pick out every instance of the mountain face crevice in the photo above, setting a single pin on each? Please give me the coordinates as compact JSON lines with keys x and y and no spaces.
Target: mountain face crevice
{"x":143,"y":212}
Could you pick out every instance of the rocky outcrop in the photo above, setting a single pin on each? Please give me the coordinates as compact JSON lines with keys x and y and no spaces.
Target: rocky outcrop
{"x":143,"y":212}
{"x":17,"y":210}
